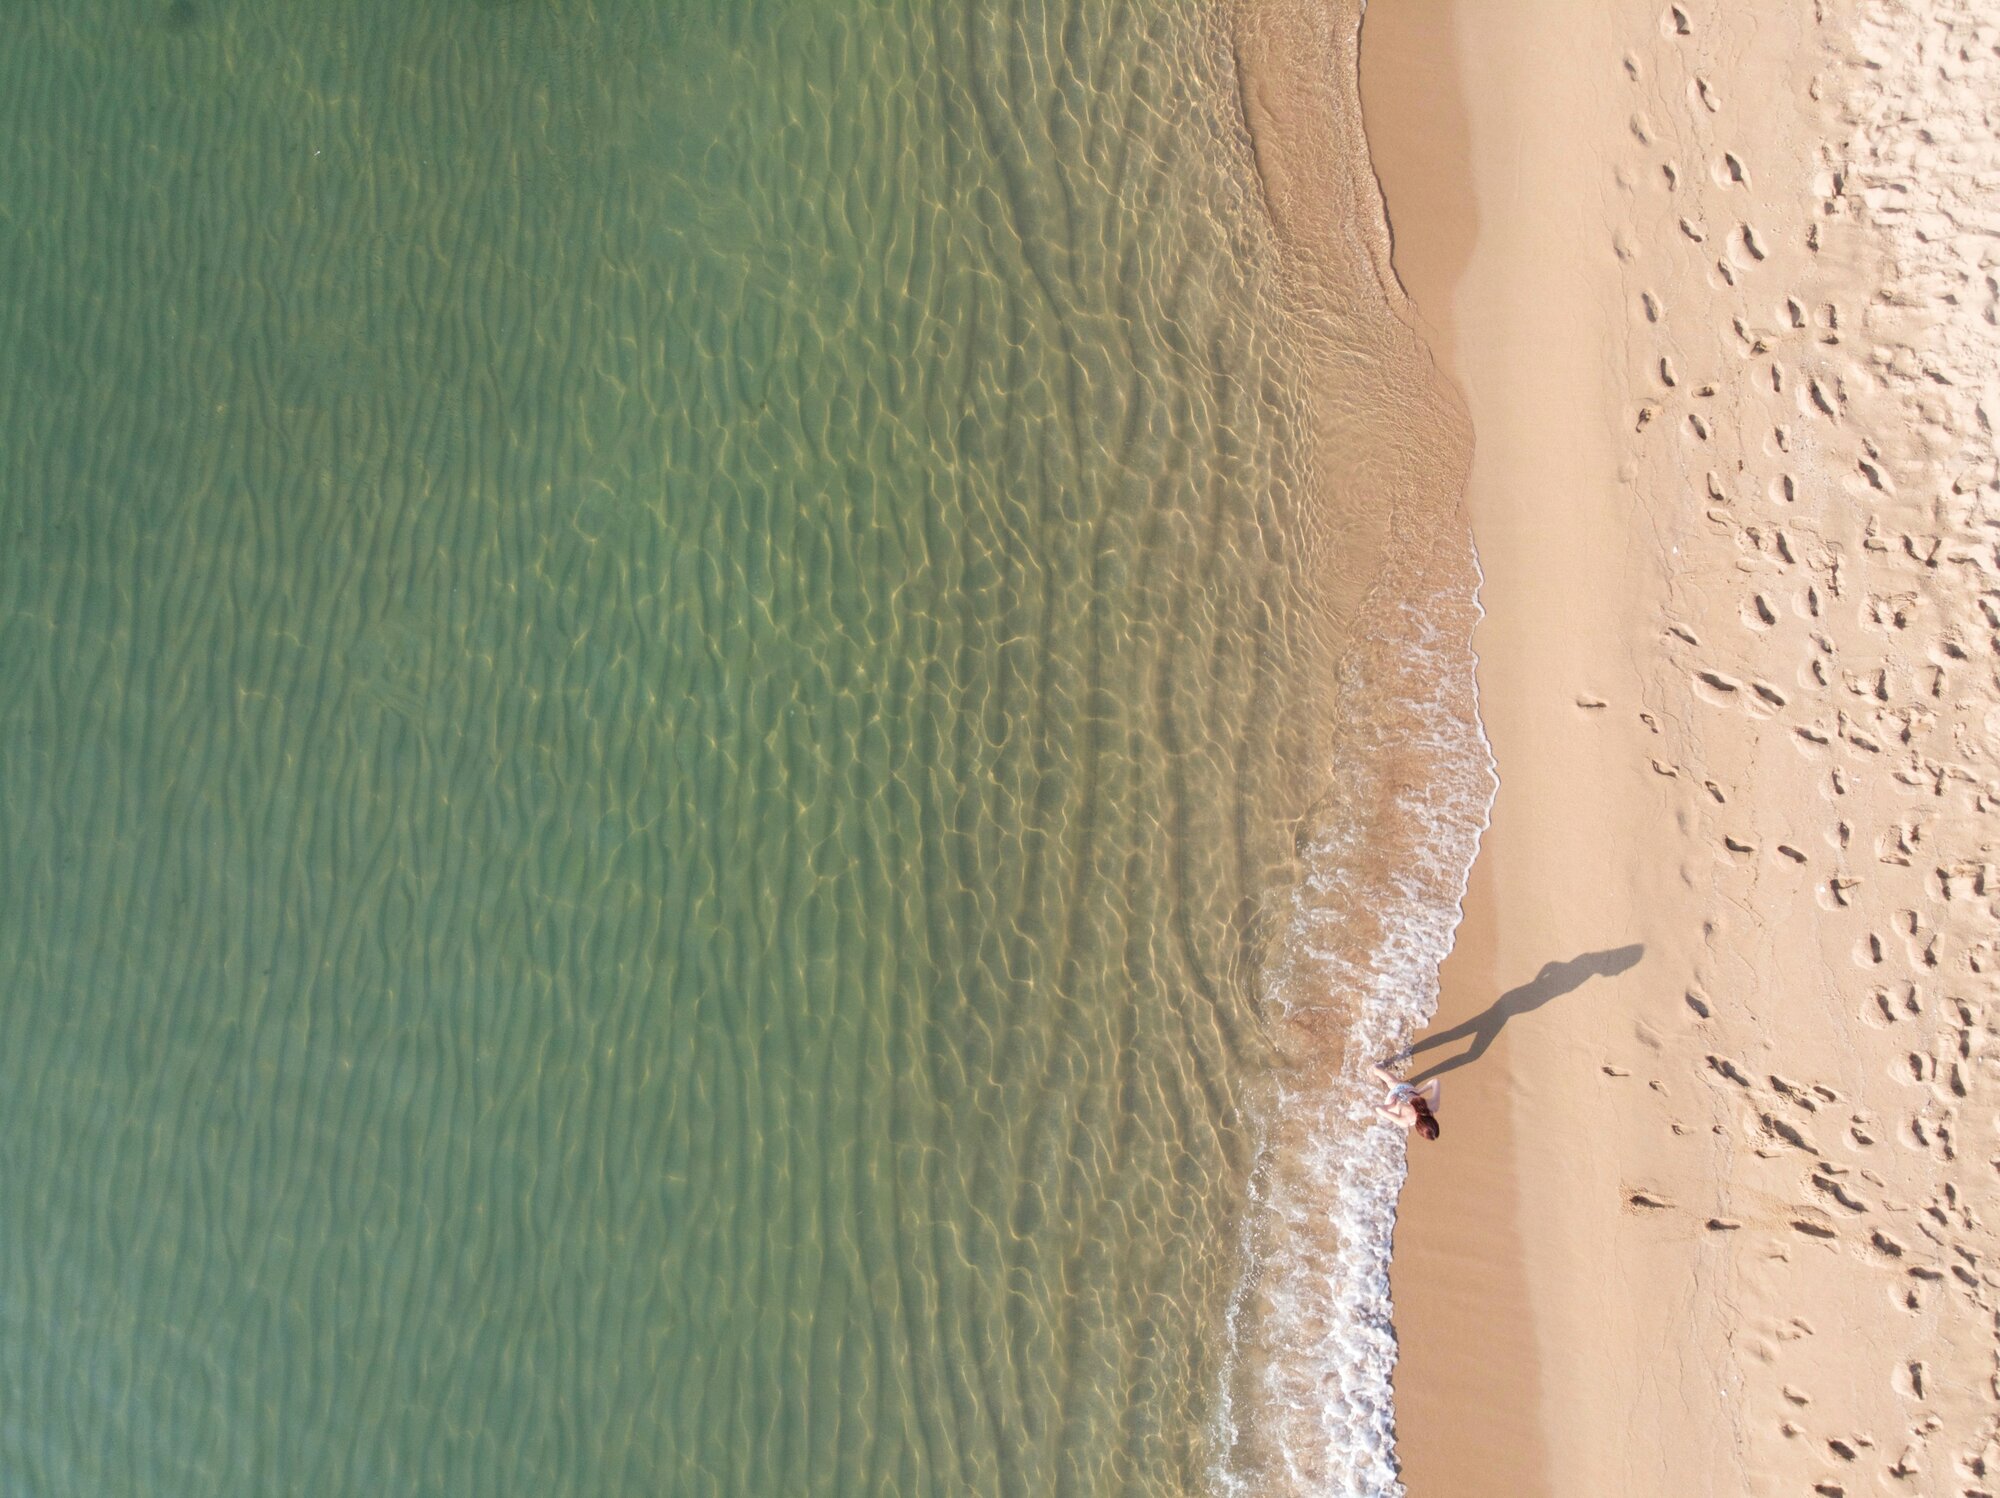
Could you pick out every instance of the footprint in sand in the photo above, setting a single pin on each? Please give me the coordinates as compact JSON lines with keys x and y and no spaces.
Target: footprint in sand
{"x":1795,"y":1094}
{"x":1911,"y":1380}
{"x":1716,"y":689}
{"x":1722,"y":1066}
{"x":1886,"y":1246}
{"x":1835,"y":1191}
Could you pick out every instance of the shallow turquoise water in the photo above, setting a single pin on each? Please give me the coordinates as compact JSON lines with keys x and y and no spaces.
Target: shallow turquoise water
{"x":650,"y":676}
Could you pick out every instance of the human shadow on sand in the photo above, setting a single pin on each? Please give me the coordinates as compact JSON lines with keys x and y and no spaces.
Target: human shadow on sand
{"x":1552,"y":982}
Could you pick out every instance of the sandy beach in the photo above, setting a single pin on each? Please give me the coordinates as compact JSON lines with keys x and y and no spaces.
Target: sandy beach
{"x":1711,"y":1213}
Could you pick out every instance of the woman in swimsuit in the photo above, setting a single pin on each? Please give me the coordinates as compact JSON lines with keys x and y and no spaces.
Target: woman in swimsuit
{"x":1412,"y":1107}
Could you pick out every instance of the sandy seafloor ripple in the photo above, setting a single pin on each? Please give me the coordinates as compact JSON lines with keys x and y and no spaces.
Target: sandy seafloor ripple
{"x":645,"y":664}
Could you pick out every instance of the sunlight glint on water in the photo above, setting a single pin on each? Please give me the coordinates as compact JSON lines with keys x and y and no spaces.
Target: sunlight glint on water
{"x":657,"y":663}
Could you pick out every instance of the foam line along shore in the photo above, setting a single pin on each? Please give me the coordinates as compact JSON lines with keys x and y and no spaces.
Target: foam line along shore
{"x":1384,"y":852}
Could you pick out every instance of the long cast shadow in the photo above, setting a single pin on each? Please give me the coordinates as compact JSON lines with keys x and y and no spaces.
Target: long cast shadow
{"x":1552,"y":982}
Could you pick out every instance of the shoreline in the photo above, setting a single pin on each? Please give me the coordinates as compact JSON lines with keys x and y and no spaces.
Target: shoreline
{"x":1385,"y":847}
{"x":1469,"y":1382}
{"x":1709,"y":1219}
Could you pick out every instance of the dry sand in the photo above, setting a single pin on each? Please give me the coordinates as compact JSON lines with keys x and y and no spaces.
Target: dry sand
{"x":1714,"y":1213}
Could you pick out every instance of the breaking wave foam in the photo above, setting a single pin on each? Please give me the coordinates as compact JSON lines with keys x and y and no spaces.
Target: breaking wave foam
{"x":1351,"y":963}
{"x":1307,"y":1403}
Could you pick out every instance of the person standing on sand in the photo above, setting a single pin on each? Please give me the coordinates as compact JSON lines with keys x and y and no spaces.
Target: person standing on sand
{"x":1412,"y":1107}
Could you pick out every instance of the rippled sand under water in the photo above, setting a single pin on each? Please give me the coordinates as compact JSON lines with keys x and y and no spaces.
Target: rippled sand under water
{"x":696,"y":702}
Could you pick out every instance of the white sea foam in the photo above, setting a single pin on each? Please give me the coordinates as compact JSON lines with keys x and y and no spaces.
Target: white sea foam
{"x":1307,"y":1403}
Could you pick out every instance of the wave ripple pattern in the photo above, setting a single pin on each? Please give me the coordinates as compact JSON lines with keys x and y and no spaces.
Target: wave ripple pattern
{"x":653,"y":664}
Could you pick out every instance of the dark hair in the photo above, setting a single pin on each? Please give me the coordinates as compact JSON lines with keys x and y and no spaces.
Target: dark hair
{"x":1427,"y":1124}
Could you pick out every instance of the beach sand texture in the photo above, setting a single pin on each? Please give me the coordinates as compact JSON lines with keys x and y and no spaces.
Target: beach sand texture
{"x":1714,"y":1216}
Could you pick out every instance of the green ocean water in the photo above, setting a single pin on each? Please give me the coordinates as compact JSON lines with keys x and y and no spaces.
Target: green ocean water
{"x":653,"y":667}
